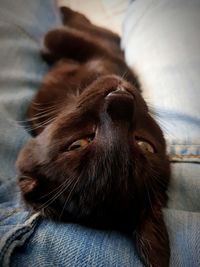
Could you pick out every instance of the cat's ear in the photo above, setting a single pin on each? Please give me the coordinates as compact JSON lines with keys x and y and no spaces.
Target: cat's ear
{"x":79,"y":40}
{"x":35,"y":187}
{"x":27,"y":165}
{"x":152,"y":240}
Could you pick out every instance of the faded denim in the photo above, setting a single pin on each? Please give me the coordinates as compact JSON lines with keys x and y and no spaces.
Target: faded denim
{"x":169,"y":65}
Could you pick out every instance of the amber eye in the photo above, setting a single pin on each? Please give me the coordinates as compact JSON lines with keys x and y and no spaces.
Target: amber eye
{"x":145,"y":146}
{"x":81,"y":143}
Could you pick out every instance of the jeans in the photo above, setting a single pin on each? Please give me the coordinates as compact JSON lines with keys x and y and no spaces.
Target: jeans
{"x":161,"y":39}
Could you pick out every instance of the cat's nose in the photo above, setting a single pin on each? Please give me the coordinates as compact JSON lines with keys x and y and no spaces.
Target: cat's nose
{"x":120,"y":105}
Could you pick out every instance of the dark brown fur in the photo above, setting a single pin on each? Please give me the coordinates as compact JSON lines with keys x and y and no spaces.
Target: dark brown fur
{"x":111,"y":183}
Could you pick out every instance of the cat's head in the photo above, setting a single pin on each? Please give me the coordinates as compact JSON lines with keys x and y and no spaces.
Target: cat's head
{"x":102,"y":163}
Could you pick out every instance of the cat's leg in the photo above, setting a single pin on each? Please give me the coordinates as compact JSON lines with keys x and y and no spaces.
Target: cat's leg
{"x":72,"y":44}
{"x":80,"y":40}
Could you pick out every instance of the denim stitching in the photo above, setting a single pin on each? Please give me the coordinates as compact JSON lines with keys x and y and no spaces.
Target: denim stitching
{"x":9,"y":242}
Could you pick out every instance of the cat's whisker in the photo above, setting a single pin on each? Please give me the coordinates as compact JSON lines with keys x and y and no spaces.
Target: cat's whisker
{"x":51,"y":192}
{"x":45,"y":110}
{"x":16,"y":123}
{"x":156,"y":177}
{"x":124,"y":75}
{"x":25,"y":177}
{"x":20,"y":123}
{"x":50,"y":103}
{"x":36,"y":117}
{"x":78,"y":90}
{"x":40,"y":125}
{"x":69,"y":196}
{"x":163,"y":123}
{"x":148,"y":194}
{"x":53,"y":198}
{"x":28,"y":129}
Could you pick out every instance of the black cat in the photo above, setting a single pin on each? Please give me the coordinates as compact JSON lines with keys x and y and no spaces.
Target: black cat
{"x":97,"y":157}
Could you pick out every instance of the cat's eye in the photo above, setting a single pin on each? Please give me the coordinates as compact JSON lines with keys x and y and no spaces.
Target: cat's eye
{"x":80,"y":143}
{"x":146,"y":146}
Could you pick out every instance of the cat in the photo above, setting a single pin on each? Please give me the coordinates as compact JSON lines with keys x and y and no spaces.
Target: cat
{"x":97,"y":156}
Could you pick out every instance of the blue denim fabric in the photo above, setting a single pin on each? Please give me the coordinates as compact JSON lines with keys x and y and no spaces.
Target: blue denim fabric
{"x":28,"y":240}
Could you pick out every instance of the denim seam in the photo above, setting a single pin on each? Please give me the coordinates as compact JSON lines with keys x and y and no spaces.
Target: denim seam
{"x":184,"y":159}
{"x":184,"y":156}
{"x":183,"y":151}
{"x":9,"y":241}
{"x":8,"y":254}
{"x":182,"y":145}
